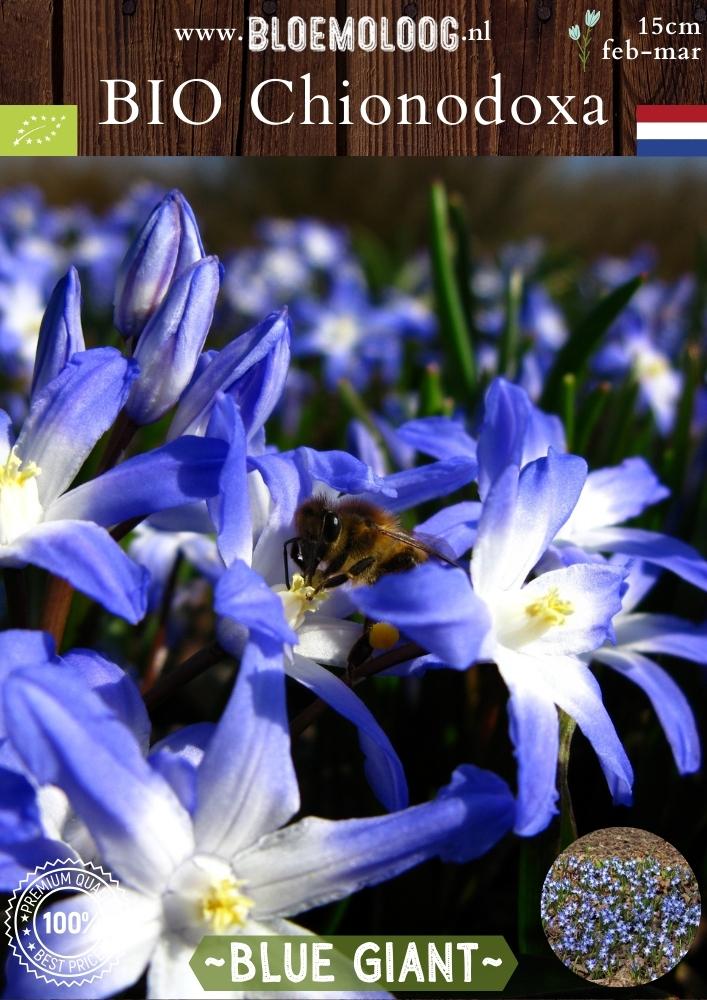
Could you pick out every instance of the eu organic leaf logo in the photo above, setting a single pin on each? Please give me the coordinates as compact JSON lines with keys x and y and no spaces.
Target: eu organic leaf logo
{"x":38,"y":130}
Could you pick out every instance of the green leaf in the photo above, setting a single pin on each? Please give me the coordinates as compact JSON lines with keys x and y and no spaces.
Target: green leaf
{"x":456,"y":336}
{"x":585,"y":339}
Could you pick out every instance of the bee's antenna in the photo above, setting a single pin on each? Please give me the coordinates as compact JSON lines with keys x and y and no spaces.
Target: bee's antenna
{"x":284,"y":554}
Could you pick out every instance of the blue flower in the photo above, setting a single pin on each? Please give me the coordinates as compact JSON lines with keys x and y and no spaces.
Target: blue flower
{"x":64,"y":532}
{"x":200,"y":843}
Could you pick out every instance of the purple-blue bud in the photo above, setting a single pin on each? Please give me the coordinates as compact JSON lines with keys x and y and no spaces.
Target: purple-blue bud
{"x":170,"y":345}
{"x":165,"y":247}
{"x":252,"y":369}
{"x":60,"y":333}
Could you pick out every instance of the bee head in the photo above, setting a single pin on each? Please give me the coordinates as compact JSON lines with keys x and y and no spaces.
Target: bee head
{"x":317,"y":522}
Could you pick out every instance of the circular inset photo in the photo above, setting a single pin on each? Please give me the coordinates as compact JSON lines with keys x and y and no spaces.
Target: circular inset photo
{"x":620,"y":907}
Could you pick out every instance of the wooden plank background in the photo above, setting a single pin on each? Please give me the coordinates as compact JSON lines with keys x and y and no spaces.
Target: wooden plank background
{"x":57,"y":51}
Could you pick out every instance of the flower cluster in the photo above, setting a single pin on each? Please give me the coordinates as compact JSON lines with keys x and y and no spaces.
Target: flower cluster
{"x":172,"y":483}
{"x":615,"y":918}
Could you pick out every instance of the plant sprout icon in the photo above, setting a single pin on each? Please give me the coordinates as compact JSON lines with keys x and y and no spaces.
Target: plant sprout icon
{"x":591,"y":19}
{"x":38,"y":129}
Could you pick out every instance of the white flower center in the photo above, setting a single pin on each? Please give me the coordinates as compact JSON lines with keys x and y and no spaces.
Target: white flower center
{"x":340,"y":334}
{"x":205,"y":897}
{"x":519,"y":623}
{"x":20,"y":508}
{"x":298,"y":600}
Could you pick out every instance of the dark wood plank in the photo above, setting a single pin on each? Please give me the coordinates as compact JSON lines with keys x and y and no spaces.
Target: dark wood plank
{"x":529,"y":46}
{"x":101,"y":41}
{"x":391,"y":74}
{"x":537,"y":57}
{"x":646,"y":80}
{"x":26,"y":30}
{"x":260,"y":139}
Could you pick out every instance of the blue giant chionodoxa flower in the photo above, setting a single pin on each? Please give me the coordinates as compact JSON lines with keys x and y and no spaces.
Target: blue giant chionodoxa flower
{"x":201,"y":842}
{"x":64,"y":532}
{"x":539,"y":513}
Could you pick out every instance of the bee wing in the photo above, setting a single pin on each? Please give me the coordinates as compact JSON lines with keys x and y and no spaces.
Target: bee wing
{"x":432,"y":547}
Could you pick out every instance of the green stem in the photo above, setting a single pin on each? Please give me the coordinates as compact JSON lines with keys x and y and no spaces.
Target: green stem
{"x":182,"y":674}
{"x":569,"y":400}
{"x":508,"y":354}
{"x":568,"y":826}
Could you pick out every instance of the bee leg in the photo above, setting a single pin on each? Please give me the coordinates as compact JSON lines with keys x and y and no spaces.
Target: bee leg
{"x":336,"y":581}
{"x":359,"y":652}
{"x":361,"y":566}
{"x":399,"y":563}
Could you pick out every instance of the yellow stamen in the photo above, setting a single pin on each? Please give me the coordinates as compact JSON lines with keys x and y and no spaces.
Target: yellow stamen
{"x":224,"y":906}
{"x":13,"y":474}
{"x":383,"y":635}
{"x":550,"y":609}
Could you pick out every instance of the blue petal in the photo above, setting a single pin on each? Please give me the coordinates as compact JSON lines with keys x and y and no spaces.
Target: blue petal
{"x":230,"y":508}
{"x":177,"y":758}
{"x":86,"y":556}
{"x":247,"y":357}
{"x":60,"y":334}
{"x":439,"y":437}
{"x":434,"y":606}
{"x":427,"y":482}
{"x":616,"y":494}
{"x":520,"y":517}
{"x":534,"y":731}
{"x":246,"y":785}
{"x":23,"y":845}
{"x":316,"y":861}
{"x":242,"y":595}
{"x":456,"y":526}
{"x":663,"y":634}
{"x":513,"y":432}
{"x":7,"y":437}
{"x":652,"y":547}
{"x":181,"y":472}
{"x":25,"y":648}
{"x":67,"y":737}
{"x":383,"y":768}
{"x":71,"y":413}
{"x":115,"y":688}
{"x":669,"y":703}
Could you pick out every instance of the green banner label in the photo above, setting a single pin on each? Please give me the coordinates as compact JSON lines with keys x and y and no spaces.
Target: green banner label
{"x":38,"y":130}
{"x":344,"y":962}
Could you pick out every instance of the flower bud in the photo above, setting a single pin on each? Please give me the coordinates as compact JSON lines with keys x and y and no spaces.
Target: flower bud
{"x":575,"y":32}
{"x":60,"y":333}
{"x":169,"y":346}
{"x":165,"y":247}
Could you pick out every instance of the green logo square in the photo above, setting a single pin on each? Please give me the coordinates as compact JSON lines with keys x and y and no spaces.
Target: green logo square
{"x":38,"y":130}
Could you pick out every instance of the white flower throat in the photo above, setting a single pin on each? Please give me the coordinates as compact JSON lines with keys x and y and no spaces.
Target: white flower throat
{"x":520,"y":622}
{"x":20,"y":508}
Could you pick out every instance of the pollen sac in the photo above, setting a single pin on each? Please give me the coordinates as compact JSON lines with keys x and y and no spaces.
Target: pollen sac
{"x":551,"y":608}
{"x":383,"y":635}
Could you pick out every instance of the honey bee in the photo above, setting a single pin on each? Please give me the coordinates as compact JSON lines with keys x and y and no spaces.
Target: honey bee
{"x":342,"y":540}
